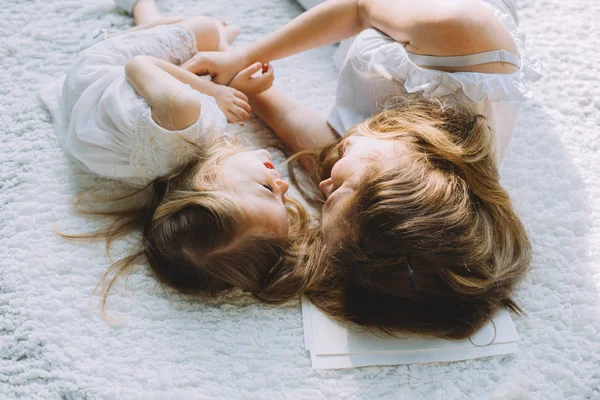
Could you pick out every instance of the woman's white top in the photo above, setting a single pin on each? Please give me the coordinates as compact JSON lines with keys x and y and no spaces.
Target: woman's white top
{"x":374,"y":68}
{"x":102,"y":121}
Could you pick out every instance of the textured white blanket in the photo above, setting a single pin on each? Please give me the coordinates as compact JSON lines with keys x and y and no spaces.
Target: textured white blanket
{"x":166,"y":346}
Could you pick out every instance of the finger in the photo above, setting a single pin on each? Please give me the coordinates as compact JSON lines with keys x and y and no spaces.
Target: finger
{"x":199,"y":65}
{"x":195,"y":66}
{"x":242,"y":114}
{"x":241,"y":95}
{"x":219,"y":79}
{"x":270,"y":75}
{"x":232,"y":118}
{"x":251,"y":70}
{"x":270,"y":70}
{"x":264,"y":81}
{"x":189,"y":63}
{"x":243,"y":104}
{"x":185,"y":64}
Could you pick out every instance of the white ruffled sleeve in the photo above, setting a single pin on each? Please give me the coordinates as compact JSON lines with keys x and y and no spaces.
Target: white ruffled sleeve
{"x":509,"y":88}
{"x":476,"y":87}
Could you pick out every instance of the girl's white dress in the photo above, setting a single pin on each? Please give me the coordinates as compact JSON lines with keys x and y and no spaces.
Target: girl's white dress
{"x":374,"y":68}
{"x":104,"y":124}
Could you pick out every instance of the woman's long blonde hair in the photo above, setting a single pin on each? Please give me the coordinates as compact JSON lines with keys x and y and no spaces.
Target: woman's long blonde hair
{"x":439,"y":212}
{"x":195,"y":238}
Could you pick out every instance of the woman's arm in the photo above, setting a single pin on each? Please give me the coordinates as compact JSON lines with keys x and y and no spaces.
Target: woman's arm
{"x":327,"y":23}
{"x":433,"y":27}
{"x":298,"y":127}
{"x":174,"y":106}
{"x":404,"y":21}
{"x":438,"y":27}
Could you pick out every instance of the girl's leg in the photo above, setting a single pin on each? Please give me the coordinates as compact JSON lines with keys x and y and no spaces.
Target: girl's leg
{"x":156,"y":22}
{"x":145,"y":12}
{"x":211,"y":34}
{"x":147,"y":15}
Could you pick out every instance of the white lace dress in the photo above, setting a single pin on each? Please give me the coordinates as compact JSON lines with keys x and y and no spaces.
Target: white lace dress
{"x":105,"y":125}
{"x":374,"y":68}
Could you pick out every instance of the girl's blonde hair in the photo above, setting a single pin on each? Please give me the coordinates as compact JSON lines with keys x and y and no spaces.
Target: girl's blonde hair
{"x":439,"y":212}
{"x":195,"y":238}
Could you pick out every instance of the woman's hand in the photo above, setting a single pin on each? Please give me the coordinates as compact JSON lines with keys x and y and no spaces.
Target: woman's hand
{"x":222,"y":66}
{"x":251,"y":86}
{"x":233,"y":103}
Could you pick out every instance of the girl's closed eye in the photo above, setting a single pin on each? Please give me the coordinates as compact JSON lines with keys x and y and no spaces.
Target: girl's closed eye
{"x":269,"y":187}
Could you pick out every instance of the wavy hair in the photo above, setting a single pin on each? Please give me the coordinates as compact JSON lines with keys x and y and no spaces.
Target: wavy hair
{"x":197,"y":240}
{"x":440,"y":208}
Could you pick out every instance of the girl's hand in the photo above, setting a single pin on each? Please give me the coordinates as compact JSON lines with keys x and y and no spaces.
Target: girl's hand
{"x":233,"y":103}
{"x":252,"y":86}
{"x":222,"y":66}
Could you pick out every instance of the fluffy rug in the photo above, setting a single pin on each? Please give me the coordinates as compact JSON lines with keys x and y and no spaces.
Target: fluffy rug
{"x":162,"y":345}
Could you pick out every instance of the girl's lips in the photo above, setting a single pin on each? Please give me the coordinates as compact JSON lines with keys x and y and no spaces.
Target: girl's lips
{"x":269,"y":165}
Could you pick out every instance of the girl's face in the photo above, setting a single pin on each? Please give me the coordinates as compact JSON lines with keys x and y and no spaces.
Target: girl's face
{"x":253,"y":183}
{"x":361,"y":154}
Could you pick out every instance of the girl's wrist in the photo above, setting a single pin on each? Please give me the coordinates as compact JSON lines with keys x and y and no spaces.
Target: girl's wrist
{"x":207,"y":87}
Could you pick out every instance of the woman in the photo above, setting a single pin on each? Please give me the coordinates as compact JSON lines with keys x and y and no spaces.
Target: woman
{"x":417,"y":232}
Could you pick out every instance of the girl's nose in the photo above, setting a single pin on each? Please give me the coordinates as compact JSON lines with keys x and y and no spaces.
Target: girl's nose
{"x":282,"y":186}
{"x":326,"y":187}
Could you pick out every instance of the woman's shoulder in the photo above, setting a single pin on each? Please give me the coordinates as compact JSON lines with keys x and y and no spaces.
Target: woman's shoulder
{"x":373,"y":54}
{"x":464,"y":27}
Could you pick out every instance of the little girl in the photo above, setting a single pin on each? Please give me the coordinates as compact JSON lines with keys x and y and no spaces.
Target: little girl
{"x":417,"y":232}
{"x":218,"y":216}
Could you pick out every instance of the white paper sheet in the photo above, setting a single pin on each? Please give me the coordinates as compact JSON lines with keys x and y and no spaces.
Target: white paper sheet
{"x":335,"y":345}
{"x":306,"y":324}
{"x":362,"y":360}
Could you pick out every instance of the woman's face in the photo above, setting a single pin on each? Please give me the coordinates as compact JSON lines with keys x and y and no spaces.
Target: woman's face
{"x":253,"y":183}
{"x":361,"y":154}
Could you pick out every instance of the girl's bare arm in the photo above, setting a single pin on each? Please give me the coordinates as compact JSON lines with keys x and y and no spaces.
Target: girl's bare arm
{"x":298,"y":127}
{"x":164,"y":86}
{"x":174,"y":107}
